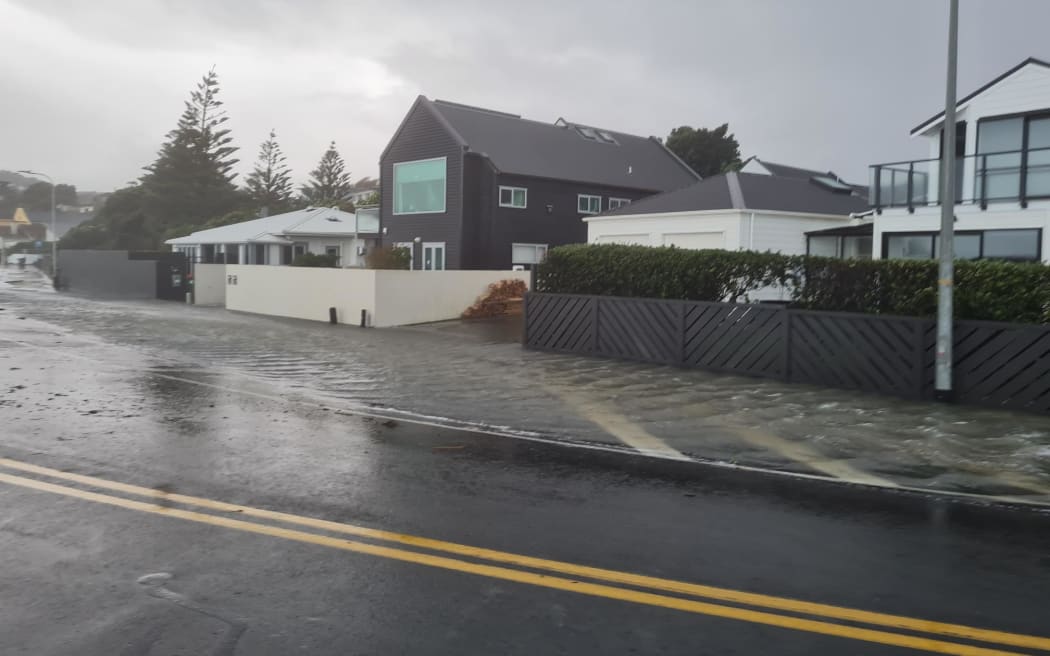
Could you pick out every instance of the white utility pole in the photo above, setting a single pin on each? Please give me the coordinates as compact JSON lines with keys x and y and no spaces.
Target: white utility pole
{"x":54,"y":233}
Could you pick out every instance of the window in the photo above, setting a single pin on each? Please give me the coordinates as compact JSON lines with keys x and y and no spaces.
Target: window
{"x":824,"y":246}
{"x":589,"y":204}
{"x":333,"y":251}
{"x":419,"y":187}
{"x":259,"y":256}
{"x":856,"y":247}
{"x":299,"y":248}
{"x":527,"y":253}
{"x":618,"y":202}
{"x":1020,"y":245}
{"x":1001,"y":172}
{"x":512,"y":197}
{"x":434,"y":256}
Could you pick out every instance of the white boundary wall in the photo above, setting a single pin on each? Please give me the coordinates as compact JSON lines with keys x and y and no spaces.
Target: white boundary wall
{"x":209,"y":284}
{"x":390,"y":298}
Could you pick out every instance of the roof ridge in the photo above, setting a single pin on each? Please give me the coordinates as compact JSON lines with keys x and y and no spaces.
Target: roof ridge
{"x":736,"y":193}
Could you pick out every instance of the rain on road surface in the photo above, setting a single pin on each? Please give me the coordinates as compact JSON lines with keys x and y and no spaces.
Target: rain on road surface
{"x":157,"y":503}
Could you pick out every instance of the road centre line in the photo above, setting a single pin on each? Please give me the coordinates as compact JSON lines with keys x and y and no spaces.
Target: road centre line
{"x":664,"y":585}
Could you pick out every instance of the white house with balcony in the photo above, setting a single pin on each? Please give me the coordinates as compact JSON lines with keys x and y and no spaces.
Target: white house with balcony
{"x":281,"y":238}
{"x":1002,"y":150}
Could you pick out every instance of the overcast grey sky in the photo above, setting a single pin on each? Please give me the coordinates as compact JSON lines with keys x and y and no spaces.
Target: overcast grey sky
{"x":88,"y":89}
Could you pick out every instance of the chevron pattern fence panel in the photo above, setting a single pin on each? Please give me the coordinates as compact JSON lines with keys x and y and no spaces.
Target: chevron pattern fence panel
{"x":745,"y":339}
{"x":995,"y":364}
{"x":640,"y":329}
{"x":871,"y":353}
{"x":560,"y":322}
{"x":1002,"y":365}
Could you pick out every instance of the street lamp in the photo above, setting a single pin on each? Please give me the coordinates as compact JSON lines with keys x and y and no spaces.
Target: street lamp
{"x":54,"y":232}
{"x":415,"y":247}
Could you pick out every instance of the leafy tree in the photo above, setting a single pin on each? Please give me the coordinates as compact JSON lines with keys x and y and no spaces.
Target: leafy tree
{"x":269,"y":184}
{"x":329,"y":182}
{"x":708,"y":152}
{"x":37,"y":196}
{"x":189,"y":184}
{"x":9,"y":199}
{"x":370,"y":199}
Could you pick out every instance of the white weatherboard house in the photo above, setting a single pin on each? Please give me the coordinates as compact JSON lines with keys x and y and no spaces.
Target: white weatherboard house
{"x":280,"y":238}
{"x":759,"y":211}
{"x":1002,"y":150}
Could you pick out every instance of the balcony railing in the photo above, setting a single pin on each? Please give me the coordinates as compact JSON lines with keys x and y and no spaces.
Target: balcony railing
{"x":1015,"y":175}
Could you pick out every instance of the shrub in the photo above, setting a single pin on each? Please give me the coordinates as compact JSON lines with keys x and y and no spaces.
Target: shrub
{"x":497,"y":300}
{"x":665,"y":272}
{"x":388,"y":257}
{"x":316,"y":260}
{"x":989,"y":290}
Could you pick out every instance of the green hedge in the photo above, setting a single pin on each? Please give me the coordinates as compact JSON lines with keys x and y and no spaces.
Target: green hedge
{"x":991,"y":290}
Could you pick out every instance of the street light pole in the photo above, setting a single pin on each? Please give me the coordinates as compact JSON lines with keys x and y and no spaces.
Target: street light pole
{"x":946,"y":273}
{"x":54,"y":232}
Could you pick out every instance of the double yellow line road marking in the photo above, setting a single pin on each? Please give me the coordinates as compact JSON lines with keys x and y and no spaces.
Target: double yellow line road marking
{"x":585,"y":580}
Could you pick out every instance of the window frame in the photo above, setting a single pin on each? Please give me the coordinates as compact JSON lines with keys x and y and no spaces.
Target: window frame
{"x":934,"y":236}
{"x":444,"y":190}
{"x":511,"y":205}
{"x":580,"y":197}
{"x":619,"y":201}
{"x":546,"y":249}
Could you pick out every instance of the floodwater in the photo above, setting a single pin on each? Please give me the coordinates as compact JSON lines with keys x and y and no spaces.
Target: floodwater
{"x":478,"y":374}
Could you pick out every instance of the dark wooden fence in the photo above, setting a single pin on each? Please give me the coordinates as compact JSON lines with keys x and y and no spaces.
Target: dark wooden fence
{"x":996,"y":364}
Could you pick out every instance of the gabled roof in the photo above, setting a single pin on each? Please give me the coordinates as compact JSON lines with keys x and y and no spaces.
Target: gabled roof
{"x":561,"y":150}
{"x":749,"y":191}
{"x":277,"y":229}
{"x":928,"y":123}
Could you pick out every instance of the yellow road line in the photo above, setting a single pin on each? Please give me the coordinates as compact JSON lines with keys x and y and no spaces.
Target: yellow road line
{"x":611,"y":576}
{"x":541,"y":580}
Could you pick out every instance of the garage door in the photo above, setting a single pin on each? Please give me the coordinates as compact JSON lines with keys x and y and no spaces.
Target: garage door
{"x":695,"y":240}
{"x":640,"y":240}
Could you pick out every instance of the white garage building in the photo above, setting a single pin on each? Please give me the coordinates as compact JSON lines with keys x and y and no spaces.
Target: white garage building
{"x":734,"y":211}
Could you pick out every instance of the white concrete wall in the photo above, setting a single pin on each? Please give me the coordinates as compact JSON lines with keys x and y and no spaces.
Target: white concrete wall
{"x":998,"y":216}
{"x":209,"y":284}
{"x":391,"y":298}
{"x":408,"y":297}
{"x":301,"y":292}
{"x":709,"y":229}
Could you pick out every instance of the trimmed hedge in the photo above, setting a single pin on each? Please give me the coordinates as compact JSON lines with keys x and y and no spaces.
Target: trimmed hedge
{"x":989,"y":290}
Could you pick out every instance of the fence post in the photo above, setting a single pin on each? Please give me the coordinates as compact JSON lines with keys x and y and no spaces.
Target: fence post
{"x":525,"y":320}
{"x":786,"y":339}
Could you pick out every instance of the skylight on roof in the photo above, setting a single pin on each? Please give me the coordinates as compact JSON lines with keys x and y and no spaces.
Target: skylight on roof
{"x":605,"y":136}
{"x":832,"y":184}
{"x":587,"y":133}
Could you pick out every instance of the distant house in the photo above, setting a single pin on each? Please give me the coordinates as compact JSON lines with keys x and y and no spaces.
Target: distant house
{"x":471,"y":188}
{"x":1002,"y":177}
{"x":735,"y":211}
{"x":20,"y":228}
{"x":280,"y":238}
{"x":362,"y":190}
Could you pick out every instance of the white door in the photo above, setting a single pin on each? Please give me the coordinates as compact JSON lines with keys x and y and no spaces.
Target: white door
{"x":434,"y":256}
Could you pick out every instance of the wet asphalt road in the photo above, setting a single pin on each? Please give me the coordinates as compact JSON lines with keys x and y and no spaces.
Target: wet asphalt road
{"x":99,"y":575}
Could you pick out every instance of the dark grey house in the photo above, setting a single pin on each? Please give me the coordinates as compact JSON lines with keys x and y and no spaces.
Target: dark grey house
{"x":471,"y":188}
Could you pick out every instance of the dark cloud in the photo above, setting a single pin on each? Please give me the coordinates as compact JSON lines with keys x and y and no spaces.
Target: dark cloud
{"x":818,"y":83}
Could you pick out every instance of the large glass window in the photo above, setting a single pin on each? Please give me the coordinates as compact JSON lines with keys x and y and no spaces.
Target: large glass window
{"x":1000,"y":173}
{"x":910,"y":247}
{"x":1020,"y":245}
{"x":1011,"y":244}
{"x":1038,"y":183}
{"x":527,"y":253}
{"x":419,"y":187}
{"x":824,"y":246}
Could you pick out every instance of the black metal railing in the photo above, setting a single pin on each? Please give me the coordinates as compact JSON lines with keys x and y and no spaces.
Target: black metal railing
{"x":1015,"y":175}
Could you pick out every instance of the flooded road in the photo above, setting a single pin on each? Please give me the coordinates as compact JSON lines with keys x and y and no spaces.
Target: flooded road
{"x":190,"y":500}
{"x":477,"y":374}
